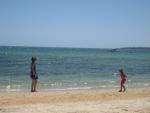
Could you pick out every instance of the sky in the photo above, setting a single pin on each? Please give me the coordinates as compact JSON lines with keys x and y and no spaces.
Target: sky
{"x":75,"y":23}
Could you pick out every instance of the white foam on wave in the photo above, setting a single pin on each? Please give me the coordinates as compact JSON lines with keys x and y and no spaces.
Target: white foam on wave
{"x":146,"y":84}
{"x":8,"y":87}
{"x":85,"y":83}
{"x":103,"y":86}
{"x":115,"y":74}
{"x":68,"y":89}
{"x":112,"y":81}
{"x":79,"y":88}
{"x":129,"y":80}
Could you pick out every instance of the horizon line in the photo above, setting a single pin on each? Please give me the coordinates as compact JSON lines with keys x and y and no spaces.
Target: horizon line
{"x":73,"y":47}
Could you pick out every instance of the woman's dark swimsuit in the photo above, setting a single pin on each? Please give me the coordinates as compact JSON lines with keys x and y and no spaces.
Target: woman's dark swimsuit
{"x":33,"y":75}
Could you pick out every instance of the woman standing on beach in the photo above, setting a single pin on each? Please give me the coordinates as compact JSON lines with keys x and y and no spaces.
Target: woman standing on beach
{"x":123,"y":80}
{"x":33,"y":75}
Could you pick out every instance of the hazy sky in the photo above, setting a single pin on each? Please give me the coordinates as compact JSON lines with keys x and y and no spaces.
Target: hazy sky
{"x":75,"y":23}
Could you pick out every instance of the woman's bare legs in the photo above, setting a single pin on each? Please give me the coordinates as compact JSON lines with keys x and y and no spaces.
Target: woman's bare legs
{"x":35,"y":85}
{"x":32,"y":85}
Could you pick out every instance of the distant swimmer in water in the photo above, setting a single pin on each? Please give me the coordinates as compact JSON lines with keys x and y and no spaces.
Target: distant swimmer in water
{"x":123,"y":80}
{"x":33,"y":75}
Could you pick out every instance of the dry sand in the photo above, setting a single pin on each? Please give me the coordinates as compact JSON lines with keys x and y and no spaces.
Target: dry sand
{"x":111,"y":101}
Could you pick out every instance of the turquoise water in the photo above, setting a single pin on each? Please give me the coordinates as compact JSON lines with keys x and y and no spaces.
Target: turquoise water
{"x":73,"y":68}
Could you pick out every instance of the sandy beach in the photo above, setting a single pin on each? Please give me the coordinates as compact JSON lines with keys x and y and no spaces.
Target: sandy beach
{"x":97,"y":101}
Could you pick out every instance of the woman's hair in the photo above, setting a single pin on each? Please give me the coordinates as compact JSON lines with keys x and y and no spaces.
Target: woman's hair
{"x":33,"y":59}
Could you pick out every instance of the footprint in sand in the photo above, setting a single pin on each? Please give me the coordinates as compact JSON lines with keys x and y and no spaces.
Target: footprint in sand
{"x":2,"y":110}
{"x":79,"y":112}
{"x":138,"y":111}
{"x":125,"y":110}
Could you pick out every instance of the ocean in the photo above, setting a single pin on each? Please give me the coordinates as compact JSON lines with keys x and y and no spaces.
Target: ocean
{"x":73,"y":68}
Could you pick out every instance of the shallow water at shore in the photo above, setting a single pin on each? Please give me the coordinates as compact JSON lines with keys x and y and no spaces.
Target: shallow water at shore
{"x":73,"y":68}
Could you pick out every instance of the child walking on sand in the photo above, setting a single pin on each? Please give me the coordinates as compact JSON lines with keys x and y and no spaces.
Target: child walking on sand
{"x":123,"y":80}
{"x":33,"y":75}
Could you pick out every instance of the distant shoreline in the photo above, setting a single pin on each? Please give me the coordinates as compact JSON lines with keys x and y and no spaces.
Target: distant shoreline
{"x":78,"y":47}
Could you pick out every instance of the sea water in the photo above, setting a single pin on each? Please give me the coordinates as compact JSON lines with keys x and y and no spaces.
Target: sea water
{"x":73,"y":68}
